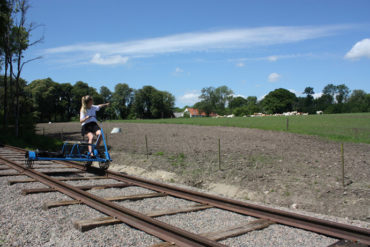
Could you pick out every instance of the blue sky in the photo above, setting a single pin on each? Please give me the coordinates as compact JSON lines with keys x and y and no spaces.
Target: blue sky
{"x":182,"y":46}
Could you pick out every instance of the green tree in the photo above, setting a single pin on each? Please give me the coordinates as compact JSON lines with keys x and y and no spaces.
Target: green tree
{"x":359,"y":101}
{"x":215,"y":99}
{"x":342,"y":93}
{"x":122,"y":100}
{"x":279,"y":101}
{"x":152,"y":103}
{"x":237,"y":102}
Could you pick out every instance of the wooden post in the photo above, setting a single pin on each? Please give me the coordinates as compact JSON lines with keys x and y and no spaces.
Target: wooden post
{"x":342,"y":156}
{"x":287,"y":124}
{"x":219,"y":153}
{"x":146,"y":145}
{"x":61,"y":134}
{"x":43,"y":131}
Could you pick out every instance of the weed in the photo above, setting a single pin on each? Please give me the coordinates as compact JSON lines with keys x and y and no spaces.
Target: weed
{"x":287,"y":193}
{"x":159,"y":153}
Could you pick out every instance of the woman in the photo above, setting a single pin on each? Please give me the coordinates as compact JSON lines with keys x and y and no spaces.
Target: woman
{"x":88,"y":120}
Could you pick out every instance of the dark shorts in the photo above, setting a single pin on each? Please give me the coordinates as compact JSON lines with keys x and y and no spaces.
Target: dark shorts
{"x":89,"y":127}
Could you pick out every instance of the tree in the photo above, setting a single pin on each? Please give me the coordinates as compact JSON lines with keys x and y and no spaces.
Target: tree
{"x":358,"y":101}
{"x":215,"y":99}
{"x":308,"y":104}
{"x":308,"y":91}
{"x":122,"y":100}
{"x":237,"y":102}
{"x":20,"y":35}
{"x":342,"y":93}
{"x":5,"y":31}
{"x":279,"y":101}
{"x":330,"y":89}
{"x":152,"y":103}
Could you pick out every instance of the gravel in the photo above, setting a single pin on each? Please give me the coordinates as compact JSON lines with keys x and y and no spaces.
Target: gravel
{"x":24,"y":223}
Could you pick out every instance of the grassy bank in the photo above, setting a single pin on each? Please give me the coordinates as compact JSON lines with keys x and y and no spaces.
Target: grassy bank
{"x":339,"y":127}
{"x":30,"y":141}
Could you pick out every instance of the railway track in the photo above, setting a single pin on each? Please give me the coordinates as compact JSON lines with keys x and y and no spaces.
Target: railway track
{"x":10,"y":156}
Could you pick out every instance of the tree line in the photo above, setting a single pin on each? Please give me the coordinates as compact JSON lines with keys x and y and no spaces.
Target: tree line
{"x":45,"y":100}
{"x":333,"y":99}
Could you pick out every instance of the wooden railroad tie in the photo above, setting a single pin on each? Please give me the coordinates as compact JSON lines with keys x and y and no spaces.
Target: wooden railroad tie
{"x":229,"y":232}
{"x":84,"y":187}
{"x":31,"y":180}
{"x":85,"y":225}
{"x":51,"y":173}
{"x":53,"y":204}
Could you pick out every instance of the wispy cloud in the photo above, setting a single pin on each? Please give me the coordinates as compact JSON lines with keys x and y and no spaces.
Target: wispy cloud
{"x":200,"y":41}
{"x":241,"y":64}
{"x":109,"y":60}
{"x":272,"y":58}
{"x":273,"y":77}
{"x":360,"y":49}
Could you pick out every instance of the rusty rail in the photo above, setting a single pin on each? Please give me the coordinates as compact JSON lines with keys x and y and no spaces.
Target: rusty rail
{"x":325,"y":227}
{"x":140,"y":221}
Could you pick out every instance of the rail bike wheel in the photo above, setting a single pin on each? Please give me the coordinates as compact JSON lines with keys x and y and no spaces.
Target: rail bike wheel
{"x":104,"y":165}
{"x":88,"y":164}
{"x":28,"y":163}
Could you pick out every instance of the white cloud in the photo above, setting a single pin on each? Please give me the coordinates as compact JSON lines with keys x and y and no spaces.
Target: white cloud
{"x":273,"y":77}
{"x":189,"y":98}
{"x":178,"y":70}
{"x":205,"y":41}
{"x":240,"y":64}
{"x":109,"y":60}
{"x":360,"y":49}
{"x":317,"y":95}
{"x":272,"y":58}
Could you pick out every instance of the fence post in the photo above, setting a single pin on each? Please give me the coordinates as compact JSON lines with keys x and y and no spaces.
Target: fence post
{"x":43,"y":131}
{"x":342,"y":156}
{"x":146,"y":146}
{"x":219,"y":153}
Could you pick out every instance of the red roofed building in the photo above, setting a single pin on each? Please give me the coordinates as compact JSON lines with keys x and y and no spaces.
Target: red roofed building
{"x":196,"y":113}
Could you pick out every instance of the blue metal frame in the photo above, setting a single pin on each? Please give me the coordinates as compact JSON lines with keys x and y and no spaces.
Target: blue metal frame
{"x":75,"y":154}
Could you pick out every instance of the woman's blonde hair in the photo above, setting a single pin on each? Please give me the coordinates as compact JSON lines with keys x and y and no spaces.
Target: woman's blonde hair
{"x":85,"y":100}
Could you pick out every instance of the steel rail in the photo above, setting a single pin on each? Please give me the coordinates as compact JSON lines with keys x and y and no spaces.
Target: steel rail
{"x":325,"y":227}
{"x":140,"y":221}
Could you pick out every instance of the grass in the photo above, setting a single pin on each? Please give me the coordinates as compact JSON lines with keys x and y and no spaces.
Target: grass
{"x":30,"y":141}
{"x":354,"y":127}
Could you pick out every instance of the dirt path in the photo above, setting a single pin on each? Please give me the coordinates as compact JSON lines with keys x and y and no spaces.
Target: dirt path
{"x":280,"y":168}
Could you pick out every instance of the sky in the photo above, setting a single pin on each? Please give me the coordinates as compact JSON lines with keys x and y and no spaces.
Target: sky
{"x":253,"y":47}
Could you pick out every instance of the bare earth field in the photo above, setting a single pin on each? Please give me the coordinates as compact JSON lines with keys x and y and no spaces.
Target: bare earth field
{"x":278,"y":168}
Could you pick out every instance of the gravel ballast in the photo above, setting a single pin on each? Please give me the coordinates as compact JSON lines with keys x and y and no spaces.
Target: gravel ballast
{"x":23,"y":222}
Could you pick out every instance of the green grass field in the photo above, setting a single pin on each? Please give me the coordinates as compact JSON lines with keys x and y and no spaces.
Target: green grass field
{"x":338,"y":127}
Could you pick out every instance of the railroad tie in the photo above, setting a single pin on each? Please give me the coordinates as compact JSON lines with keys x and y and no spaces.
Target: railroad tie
{"x":84,"y":187}
{"x":31,"y":180}
{"x":85,"y":225}
{"x":53,"y":204}
{"x":229,"y":232}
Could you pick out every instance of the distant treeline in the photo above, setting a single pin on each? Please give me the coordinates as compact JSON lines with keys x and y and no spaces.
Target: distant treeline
{"x":333,"y":99}
{"x":46,"y":100}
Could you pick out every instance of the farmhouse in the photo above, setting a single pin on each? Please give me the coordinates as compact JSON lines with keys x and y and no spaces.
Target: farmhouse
{"x":197,"y":113}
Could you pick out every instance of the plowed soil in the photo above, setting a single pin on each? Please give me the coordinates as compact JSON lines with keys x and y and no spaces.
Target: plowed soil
{"x":285,"y":169}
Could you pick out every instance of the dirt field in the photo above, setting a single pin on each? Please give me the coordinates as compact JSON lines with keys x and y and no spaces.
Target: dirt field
{"x":284,"y":169}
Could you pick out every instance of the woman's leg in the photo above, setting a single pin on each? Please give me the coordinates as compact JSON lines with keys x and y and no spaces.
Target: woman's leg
{"x":90,"y":137}
{"x":97,"y":133}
